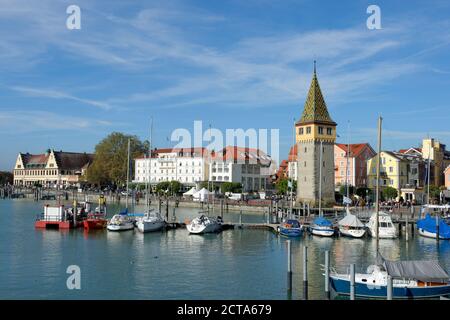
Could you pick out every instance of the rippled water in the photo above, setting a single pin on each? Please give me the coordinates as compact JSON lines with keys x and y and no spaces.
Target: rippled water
{"x":234,"y":264}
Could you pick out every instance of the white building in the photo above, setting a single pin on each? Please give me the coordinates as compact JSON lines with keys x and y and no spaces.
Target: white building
{"x":250,"y":167}
{"x":185,"y":165}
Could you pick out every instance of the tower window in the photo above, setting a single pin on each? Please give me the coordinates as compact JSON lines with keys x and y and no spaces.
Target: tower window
{"x":308,"y":130}
{"x":320,"y":130}
{"x":305,"y":164}
{"x":306,"y":149}
{"x":329,"y":131}
{"x":300,"y":131}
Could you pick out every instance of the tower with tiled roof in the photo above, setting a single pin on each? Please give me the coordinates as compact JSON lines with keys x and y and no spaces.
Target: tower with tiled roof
{"x":315,"y":127}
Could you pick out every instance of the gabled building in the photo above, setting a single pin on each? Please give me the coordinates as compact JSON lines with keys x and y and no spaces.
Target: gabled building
{"x":358,"y":154}
{"x":315,"y":129}
{"x":51,"y":169}
{"x":447,"y":177}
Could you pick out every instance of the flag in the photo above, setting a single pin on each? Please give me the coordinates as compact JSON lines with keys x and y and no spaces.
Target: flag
{"x":347,"y":200}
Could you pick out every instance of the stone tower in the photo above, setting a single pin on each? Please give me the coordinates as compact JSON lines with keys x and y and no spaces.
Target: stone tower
{"x":315,"y":127}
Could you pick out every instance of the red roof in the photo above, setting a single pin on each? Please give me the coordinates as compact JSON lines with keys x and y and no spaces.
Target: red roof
{"x":355,"y":149}
{"x":293,"y":153}
{"x":241,"y":154}
{"x":181,"y":152}
{"x":406,"y":150}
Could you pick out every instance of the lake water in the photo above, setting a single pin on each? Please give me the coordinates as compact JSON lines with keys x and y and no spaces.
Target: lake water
{"x":234,"y":264}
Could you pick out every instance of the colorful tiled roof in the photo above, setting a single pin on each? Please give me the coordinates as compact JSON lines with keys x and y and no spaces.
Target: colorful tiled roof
{"x":355,"y":148}
{"x":315,"y":109}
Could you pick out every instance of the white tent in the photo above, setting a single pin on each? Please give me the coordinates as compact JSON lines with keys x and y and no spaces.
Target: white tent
{"x":201,"y":195}
{"x":190,"y":192}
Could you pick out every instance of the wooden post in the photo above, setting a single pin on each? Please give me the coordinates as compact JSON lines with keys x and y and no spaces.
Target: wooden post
{"x":406,"y":228}
{"x":240,"y":216}
{"x":221,"y":208}
{"x":289,"y":266}
{"x":389,"y":287}
{"x":352,"y":281}
{"x":305,"y":272}
{"x":327,"y":275}
{"x":174,"y":217}
{"x":167,"y":209}
{"x":159,"y":204}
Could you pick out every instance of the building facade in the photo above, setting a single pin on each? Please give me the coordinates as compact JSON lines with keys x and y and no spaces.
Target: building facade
{"x":250,"y":167}
{"x":51,"y":169}
{"x":315,"y":130}
{"x":188,"y":166}
{"x":447,"y":177}
{"x":356,"y":166}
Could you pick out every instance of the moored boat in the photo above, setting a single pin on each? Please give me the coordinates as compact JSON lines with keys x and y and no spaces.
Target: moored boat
{"x":427,"y":227}
{"x":121,"y":222}
{"x":386,"y":229}
{"x":290,"y":228}
{"x":151,"y":221}
{"x":411,"y":280}
{"x":351,"y":226}
{"x":204,"y":224}
{"x":322,"y":227}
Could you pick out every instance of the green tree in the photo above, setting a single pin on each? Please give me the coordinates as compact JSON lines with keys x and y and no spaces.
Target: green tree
{"x":363,"y":192}
{"x":389,"y":193}
{"x":6,"y":177}
{"x":282,"y":186}
{"x":163,"y":187}
{"x":435,"y":192}
{"x":174,"y":187}
{"x":234,"y":187}
{"x":110,"y":159}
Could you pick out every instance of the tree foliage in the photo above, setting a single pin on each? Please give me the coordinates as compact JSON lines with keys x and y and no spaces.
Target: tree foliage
{"x":234,"y":187}
{"x":282,"y":186}
{"x":389,"y":193}
{"x":110,"y":159}
{"x":343,"y":190}
{"x":6,"y":177}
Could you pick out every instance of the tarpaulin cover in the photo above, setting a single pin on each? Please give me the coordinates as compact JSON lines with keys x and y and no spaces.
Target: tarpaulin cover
{"x":322,"y":222}
{"x":351,"y":220}
{"x":426,"y":270}
{"x":429,"y":224}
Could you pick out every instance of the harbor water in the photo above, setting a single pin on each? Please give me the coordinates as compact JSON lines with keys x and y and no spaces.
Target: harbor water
{"x":233,"y":264}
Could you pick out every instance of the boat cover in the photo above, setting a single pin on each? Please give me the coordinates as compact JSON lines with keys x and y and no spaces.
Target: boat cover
{"x":322,"y":222}
{"x":293,"y":223}
{"x":423,"y":270}
{"x":350,"y":220}
{"x":429,"y":224}
{"x":124,"y":212}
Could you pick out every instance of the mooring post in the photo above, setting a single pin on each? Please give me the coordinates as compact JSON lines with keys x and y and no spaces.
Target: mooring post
{"x":437,"y":227}
{"x":406,"y":228}
{"x":352,"y":281}
{"x":389,"y":287}
{"x":174,"y":217}
{"x":167,"y":209}
{"x":240,"y":216}
{"x":327,"y":275}
{"x":305,"y":272}
{"x":159,"y":204}
{"x":289,"y":266}
{"x":221,"y":208}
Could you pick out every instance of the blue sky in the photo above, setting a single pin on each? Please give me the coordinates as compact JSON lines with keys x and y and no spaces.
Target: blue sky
{"x":231,"y":64}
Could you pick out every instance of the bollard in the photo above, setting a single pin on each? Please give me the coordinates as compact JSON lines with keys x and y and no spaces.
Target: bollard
{"x":327,"y":275}
{"x":289,"y":266}
{"x":305,"y":272}
{"x":389,"y":288}
{"x":352,"y":281}
{"x":240,"y":217}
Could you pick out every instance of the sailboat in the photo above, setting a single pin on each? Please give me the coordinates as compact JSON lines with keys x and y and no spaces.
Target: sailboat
{"x":321,"y":226}
{"x":151,"y":220}
{"x":380,"y":223}
{"x":350,"y":225}
{"x":123,"y":221}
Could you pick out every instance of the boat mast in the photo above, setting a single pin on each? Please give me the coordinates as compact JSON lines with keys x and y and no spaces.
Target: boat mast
{"x":291,"y":174}
{"x":429,"y":173}
{"x":212,"y":181}
{"x":149,"y":174}
{"x":347,"y":166}
{"x":128,"y":171}
{"x":320,"y":178}
{"x":377,"y":197}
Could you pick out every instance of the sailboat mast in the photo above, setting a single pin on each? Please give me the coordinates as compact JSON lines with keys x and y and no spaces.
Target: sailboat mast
{"x":429,"y":173}
{"x":149,"y":173}
{"x":377,"y":197}
{"x":128,"y":170}
{"x":348,"y":164}
{"x":212,"y":181}
{"x":291,"y":173}
{"x":320,"y":178}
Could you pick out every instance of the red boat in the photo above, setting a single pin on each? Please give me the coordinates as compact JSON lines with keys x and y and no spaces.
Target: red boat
{"x":95,"y":221}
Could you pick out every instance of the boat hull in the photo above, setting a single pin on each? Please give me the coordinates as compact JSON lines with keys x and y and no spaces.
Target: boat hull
{"x":149,"y":226}
{"x":200,"y":229}
{"x":352,"y":233}
{"x":92,"y":224}
{"x":428,"y":234}
{"x":342,"y":287}
{"x":121,"y":227}
{"x":290,"y":232}
{"x":322,"y":231}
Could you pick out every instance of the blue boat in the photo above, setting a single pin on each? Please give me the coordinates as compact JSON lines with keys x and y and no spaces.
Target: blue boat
{"x":411,"y":280}
{"x":427,"y":227}
{"x":322,"y":227}
{"x":291,"y":228}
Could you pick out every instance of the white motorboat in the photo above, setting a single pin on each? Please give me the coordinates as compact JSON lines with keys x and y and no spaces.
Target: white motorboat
{"x":386,"y":229}
{"x":351,"y":226}
{"x":151,"y":221}
{"x":120,"y":222}
{"x":204,"y":224}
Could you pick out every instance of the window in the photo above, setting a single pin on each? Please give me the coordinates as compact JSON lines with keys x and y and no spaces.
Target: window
{"x":391,"y":169}
{"x":305,"y":164}
{"x":300,"y":131}
{"x":306,"y":149}
{"x":308,"y":130}
{"x":329,"y":131}
{"x":320,"y":130}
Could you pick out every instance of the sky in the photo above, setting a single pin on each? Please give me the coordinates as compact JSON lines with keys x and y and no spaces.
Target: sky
{"x":231,"y":64}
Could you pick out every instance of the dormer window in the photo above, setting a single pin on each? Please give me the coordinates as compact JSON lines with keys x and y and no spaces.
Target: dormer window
{"x":308,"y":130}
{"x":329,"y":131}
{"x":320,"y":130}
